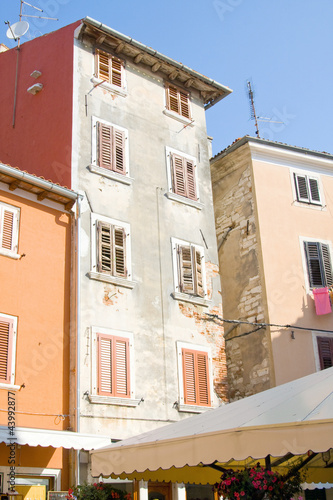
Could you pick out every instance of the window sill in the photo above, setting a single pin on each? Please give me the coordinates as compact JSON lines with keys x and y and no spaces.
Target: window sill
{"x":115,"y":280}
{"x":124,"y":179}
{"x":305,"y":204}
{"x":108,"y":86}
{"x":193,"y":408}
{"x":186,"y":201}
{"x":10,"y":387}
{"x":193,"y":299}
{"x":180,"y":118}
{"x":109,"y":400}
{"x":10,"y":254}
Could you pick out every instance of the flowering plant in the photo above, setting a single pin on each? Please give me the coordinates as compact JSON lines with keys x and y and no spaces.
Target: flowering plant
{"x":97,"y":491}
{"x":258,"y":483}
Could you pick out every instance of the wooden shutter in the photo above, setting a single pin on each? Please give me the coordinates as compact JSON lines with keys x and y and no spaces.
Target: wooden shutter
{"x":325,"y":350}
{"x":319,"y":264}
{"x":7,"y":229}
{"x":178,"y":101}
{"x":198,"y":282}
{"x":105,"y":150}
{"x":103,"y":68}
{"x":172,"y":99}
{"x":183,"y":176}
{"x":185,"y":269}
{"x":119,"y":151}
{"x":184,"y":104}
{"x":314,"y":190}
{"x":116,"y":65}
{"x":119,"y":256}
{"x":104,"y":247}
{"x":113,"y":366}
{"x":6,"y":345}
{"x":301,"y":188}
{"x":195,"y":378}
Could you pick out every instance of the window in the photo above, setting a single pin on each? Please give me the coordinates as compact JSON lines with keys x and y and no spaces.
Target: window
{"x":9,"y":219}
{"x":189,"y":271}
{"x":182,"y":178}
{"x":307,"y":189}
{"x":109,"y":150}
{"x":325,"y":351}
{"x":112,"y":379}
{"x":178,"y":101}
{"x":110,"y":251}
{"x":8,"y":325}
{"x":113,"y":366}
{"x":319,"y":266}
{"x":109,"y":69}
{"x":194,"y":366}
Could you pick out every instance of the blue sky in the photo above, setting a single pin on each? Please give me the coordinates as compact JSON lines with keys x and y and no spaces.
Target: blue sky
{"x":284,"y":47}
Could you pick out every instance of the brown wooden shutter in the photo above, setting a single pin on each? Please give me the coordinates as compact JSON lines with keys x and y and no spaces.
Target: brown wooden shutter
{"x":178,"y":174}
{"x":113,"y":366}
{"x":7,"y":230}
{"x":186,"y":278}
{"x":184,"y":104}
{"x":105,"y":149}
{"x":6,"y":343}
{"x":116,"y":65}
{"x":103,"y":68}
{"x":119,"y":256}
{"x":195,"y":377}
{"x":190,"y":179}
{"x":325,"y":349}
{"x":104,"y":247}
{"x":119,"y":151}
{"x":197,"y":260}
{"x":172,"y":99}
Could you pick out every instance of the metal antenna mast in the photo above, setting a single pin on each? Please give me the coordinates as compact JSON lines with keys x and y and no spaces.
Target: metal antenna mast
{"x":253,"y":109}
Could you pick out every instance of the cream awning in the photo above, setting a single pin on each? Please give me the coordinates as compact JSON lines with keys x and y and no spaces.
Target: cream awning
{"x":289,"y":419}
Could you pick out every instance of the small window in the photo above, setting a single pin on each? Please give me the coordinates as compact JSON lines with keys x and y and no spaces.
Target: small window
{"x":178,"y":101}
{"x":319,"y":265}
{"x":111,"y":148}
{"x":9,"y":218}
{"x":190,"y":269}
{"x":8,"y":348}
{"x":325,"y":351}
{"x":109,"y":69}
{"x":307,"y":189}
{"x":194,"y":367}
{"x":110,"y":251}
{"x":113,"y":366}
{"x":183,"y":176}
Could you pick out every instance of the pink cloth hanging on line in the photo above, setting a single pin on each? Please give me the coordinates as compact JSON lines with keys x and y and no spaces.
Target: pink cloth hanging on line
{"x":322,"y":300}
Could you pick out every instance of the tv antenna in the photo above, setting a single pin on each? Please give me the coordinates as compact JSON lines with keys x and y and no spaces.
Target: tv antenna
{"x":254,"y":115}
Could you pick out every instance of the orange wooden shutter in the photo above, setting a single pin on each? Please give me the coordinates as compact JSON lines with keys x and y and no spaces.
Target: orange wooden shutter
{"x":6,"y":345}
{"x":105,"y":149}
{"x":115,"y":65}
{"x":7,"y":229}
{"x":196,"y":378}
{"x":103,"y":68}
{"x":172,"y":99}
{"x":119,"y":260}
{"x":113,"y":366}
{"x":184,"y":104}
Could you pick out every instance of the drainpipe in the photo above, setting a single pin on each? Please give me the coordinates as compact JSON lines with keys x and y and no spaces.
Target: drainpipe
{"x":78,"y":343}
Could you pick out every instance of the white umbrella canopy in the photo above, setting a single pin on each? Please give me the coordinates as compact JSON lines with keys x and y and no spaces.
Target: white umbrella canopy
{"x":294,"y":419}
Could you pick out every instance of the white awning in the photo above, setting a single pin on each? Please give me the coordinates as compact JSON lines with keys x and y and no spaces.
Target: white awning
{"x":56,"y":439}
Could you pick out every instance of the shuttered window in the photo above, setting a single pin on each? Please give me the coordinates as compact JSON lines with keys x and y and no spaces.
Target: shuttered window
{"x":109,"y":68}
{"x":325,"y":350}
{"x":307,"y":189}
{"x":111,"y":249}
{"x":178,"y":101}
{"x":8,"y":228}
{"x":183,"y":176}
{"x":195,"y":377}
{"x":318,"y":264}
{"x":111,"y":148}
{"x":113,"y":366}
{"x":190,"y":270}
{"x":6,"y":349}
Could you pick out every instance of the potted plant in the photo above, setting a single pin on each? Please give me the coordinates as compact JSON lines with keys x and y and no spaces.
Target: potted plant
{"x":97,"y":491}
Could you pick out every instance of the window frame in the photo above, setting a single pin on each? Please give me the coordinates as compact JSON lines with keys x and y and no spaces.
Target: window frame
{"x":95,"y":273}
{"x":172,"y":194}
{"x":188,"y":120}
{"x":309,"y":200}
{"x":199,"y":349}
{"x":179,"y":293}
{"x":316,"y":349}
{"x":95,"y":167}
{"x":106,"y":83}
{"x":15,"y":211}
{"x":95,"y":396}
{"x":9,"y":382}
{"x":306,"y":262}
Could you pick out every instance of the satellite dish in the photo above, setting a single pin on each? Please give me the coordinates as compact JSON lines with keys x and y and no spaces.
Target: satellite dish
{"x":17,"y":30}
